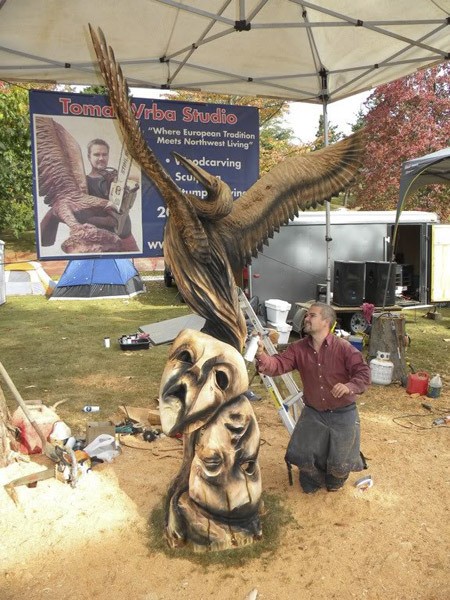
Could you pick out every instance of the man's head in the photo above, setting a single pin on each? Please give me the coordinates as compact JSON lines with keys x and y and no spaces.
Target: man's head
{"x":98,"y":154}
{"x":319,"y":319}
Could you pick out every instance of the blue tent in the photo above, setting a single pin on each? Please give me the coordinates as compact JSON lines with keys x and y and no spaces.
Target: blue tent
{"x":89,"y":279}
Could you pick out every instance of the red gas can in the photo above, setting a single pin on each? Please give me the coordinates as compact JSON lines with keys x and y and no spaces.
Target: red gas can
{"x":418,"y":383}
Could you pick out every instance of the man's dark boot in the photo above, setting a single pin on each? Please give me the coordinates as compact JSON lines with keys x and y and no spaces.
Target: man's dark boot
{"x":308,"y":485}
{"x":334,"y":483}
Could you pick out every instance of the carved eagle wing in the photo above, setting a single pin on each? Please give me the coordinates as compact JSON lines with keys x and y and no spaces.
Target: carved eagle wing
{"x":296,"y":184}
{"x":183,"y":214}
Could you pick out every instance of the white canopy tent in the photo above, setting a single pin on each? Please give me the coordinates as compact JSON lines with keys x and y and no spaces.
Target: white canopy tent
{"x":291,"y":49}
{"x":316,"y":52}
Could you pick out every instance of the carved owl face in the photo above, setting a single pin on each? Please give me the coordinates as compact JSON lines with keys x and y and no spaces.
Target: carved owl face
{"x":201,"y":375}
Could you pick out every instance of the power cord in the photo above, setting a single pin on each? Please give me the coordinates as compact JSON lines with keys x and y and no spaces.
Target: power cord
{"x":442,"y":420}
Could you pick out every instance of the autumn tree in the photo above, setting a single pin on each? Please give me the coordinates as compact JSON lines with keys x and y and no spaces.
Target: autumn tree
{"x":16,"y":200}
{"x":334,"y":135}
{"x":405,"y":119}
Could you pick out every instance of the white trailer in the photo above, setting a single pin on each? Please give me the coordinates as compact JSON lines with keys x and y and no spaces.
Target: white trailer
{"x":295,"y":263}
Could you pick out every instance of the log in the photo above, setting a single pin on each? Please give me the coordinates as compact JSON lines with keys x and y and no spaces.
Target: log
{"x":388,"y":334}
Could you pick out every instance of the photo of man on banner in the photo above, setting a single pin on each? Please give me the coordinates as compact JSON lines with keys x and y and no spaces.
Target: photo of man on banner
{"x":89,"y":201}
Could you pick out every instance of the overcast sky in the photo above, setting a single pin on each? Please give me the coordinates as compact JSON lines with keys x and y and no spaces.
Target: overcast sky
{"x":303,"y":118}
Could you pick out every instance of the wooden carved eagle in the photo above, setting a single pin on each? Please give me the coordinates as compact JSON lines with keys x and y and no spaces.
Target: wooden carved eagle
{"x":206,"y":239}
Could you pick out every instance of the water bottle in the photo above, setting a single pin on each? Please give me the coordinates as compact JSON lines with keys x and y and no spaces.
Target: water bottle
{"x":434,"y":387}
{"x":251,"y":349}
{"x":90,"y":408}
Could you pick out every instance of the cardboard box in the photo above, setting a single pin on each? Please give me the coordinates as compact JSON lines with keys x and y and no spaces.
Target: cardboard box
{"x":96,"y":428}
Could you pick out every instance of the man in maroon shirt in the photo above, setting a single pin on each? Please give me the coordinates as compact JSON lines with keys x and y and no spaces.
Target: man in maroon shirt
{"x":325,"y":442}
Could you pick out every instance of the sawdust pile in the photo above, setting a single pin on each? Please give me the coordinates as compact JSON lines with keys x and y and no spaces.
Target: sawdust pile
{"x":388,"y":542}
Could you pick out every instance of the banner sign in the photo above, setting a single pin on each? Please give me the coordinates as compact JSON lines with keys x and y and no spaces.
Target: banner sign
{"x":92,"y":199}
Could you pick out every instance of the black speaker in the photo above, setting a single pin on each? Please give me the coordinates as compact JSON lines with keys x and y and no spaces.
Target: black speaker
{"x":348,"y":288}
{"x":376,"y":279}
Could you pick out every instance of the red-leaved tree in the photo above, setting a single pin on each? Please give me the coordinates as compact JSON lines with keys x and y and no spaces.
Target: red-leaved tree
{"x":405,"y":119}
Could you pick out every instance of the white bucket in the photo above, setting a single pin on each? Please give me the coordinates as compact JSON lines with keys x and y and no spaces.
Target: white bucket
{"x":382,"y":369}
{"x":277,"y":310}
{"x":283,"y":329}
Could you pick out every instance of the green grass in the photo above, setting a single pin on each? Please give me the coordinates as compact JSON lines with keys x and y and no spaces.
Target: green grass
{"x":53,"y":350}
{"x":25,"y":244}
{"x":428,"y":350}
{"x":275,"y":516}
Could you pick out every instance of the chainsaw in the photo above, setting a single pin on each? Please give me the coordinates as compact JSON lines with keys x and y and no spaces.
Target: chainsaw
{"x":69,"y":467}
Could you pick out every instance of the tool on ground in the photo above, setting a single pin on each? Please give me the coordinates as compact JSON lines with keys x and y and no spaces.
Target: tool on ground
{"x":47,"y":447}
{"x":69,"y":467}
{"x":288,"y":408}
{"x":32,"y":478}
{"x":442,"y":421}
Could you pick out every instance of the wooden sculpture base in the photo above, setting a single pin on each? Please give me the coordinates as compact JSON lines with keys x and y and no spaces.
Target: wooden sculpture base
{"x":202,"y":533}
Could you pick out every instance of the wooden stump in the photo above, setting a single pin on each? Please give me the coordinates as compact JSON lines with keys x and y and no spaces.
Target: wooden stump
{"x":388,"y":335}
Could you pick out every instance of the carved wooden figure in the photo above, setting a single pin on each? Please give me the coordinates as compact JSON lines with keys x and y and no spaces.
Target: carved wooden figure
{"x":92,"y":221}
{"x":214,"y":502}
{"x":215,"y":499}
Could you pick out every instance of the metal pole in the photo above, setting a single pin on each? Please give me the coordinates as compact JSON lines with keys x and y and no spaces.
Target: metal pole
{"x":328,"y":237}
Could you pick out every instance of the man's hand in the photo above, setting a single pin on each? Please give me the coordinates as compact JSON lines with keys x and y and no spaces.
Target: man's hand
{"x":260,"y":349}
{"x":339,"y":390}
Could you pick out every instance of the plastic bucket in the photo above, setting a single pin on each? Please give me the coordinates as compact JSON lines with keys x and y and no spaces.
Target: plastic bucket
{"x":284,"y":330}
{"x":356,"y":341}
{"x":417,"y":383}
{"x":277,"y":310}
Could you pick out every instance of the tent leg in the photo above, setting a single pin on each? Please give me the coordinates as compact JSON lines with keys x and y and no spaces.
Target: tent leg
{"x":328,"y":238}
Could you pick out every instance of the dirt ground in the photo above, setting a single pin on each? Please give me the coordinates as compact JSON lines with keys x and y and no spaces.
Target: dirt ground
{"x":388,"y":542}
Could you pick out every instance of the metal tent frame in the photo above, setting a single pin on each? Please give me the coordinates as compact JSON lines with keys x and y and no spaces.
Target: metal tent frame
{"x":316,"y":51}
{"x":416,"y":173}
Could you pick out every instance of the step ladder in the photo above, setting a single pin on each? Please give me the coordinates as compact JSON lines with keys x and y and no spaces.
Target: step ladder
{"x":288,"y":408}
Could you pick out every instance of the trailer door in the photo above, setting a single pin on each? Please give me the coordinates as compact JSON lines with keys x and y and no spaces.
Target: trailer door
{"x":440,"y":263}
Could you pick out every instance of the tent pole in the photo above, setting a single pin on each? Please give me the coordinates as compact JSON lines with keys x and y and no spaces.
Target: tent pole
{"x":328,"y":238}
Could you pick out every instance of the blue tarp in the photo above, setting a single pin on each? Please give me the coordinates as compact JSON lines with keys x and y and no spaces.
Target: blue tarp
{"x":98,"y":278}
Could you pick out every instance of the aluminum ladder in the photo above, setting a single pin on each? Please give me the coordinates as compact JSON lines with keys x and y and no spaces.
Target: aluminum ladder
{"x":288,"y":408}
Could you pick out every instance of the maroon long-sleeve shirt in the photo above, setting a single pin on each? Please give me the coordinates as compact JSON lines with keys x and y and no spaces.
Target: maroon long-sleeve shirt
{"x":336,"y":362}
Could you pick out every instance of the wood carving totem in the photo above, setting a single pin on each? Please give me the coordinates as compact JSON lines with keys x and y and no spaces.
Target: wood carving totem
{"x":215,"y":500}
